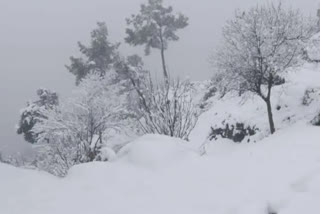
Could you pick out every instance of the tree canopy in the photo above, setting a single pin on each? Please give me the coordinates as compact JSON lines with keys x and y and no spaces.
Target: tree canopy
{"x":98,"y":57}
{"x":154,"y":27}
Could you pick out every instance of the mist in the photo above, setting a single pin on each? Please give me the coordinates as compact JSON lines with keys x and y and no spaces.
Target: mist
{"x":39,"y":36}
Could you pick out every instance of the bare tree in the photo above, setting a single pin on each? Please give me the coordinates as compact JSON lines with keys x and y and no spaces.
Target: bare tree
{"x":170,"y":111}
{"x":154,"y":27}
{"x":163,"y":110}
{"x":258,"y":46}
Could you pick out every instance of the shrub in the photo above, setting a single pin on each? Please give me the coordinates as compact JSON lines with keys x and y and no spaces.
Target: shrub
{"x":310,"y":95}
{"x":236,"y":133}
{"x":169,"y":110}
{"x":166,"y":109}
{"x":316,"y":120}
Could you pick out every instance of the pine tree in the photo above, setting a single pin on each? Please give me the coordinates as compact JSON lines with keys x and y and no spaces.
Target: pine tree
{"x":154,"y":27}
{"x":98,"y":57}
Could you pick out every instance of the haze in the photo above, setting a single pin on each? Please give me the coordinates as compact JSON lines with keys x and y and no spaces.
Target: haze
{"x":38,"y":36}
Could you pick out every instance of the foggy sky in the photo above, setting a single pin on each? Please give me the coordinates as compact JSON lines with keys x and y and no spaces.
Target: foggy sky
{"x":37,"y":37}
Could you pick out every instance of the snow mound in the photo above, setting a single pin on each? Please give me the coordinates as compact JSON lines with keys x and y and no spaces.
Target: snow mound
{"x":280,"y":173}
{"x":154,"y":151}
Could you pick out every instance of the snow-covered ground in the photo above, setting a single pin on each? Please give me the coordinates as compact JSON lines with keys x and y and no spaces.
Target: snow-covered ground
{"x":162,"y":175}
{"x":158,"y":174}
{"x":287,"y":103}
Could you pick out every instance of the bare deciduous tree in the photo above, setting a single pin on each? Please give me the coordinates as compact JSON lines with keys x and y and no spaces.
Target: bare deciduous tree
{"x":170,"y":111}
{"x":163,"y":110}
{"x":258,"y":46}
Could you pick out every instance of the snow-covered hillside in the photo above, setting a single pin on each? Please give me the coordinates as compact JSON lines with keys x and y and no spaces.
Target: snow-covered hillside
{"x":157,"y":174}
{"x":289,"y":102}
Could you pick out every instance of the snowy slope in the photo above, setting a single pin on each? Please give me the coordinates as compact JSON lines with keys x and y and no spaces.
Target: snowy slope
{"x":287,"y":104}
{"x":281,"y":172}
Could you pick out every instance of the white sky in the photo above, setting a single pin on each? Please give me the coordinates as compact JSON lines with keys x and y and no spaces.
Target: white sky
{"x":38,"y":36}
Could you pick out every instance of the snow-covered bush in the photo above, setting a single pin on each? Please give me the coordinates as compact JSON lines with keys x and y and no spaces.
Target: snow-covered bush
{"x":76,"y":131}
{"x":55,"y":158}
{"x":17,"y":160}
{"x":316,"y":120}
{"x":169,"y":111}
{"x":237,"y":133}
{"x":312,"y":50}
{"x":210,"y":92}
{"x":1,"y":158}
{"x":310,"y":95}
{"x":30,"y":115}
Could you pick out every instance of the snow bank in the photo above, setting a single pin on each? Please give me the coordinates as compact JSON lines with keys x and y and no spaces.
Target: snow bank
{"x":26,"y":191}
{"x":157,"y":175}
{"x":155,"y":151}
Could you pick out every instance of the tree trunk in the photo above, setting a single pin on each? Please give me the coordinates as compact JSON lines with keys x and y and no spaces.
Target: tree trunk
{"x":164,"y":67}
{"x":163,"y":60}
{"x":270,"y":116}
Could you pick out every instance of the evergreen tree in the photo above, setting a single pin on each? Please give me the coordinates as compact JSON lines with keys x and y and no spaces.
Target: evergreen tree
{"x":154,"y":27}
{"x":98,"y":57}
{"x":32,"y":113}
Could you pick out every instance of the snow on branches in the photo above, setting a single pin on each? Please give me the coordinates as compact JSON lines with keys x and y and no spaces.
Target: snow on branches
{"x":30,"y":115}
{"x":77,"y":129}
{"x":258,"y":46}
{"x":164,"y":109}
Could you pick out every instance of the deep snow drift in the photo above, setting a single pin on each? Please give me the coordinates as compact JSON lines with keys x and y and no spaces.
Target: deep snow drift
{"x":161,"y":175}
{"x":157,"y":174}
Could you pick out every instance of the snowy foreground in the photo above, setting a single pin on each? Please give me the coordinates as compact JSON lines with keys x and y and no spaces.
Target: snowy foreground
{"x":161,"y":175}
{"x":157,"y":174}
